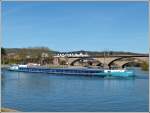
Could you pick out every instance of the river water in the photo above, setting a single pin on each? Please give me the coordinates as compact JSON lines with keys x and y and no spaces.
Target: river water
{"x":51,"y":93}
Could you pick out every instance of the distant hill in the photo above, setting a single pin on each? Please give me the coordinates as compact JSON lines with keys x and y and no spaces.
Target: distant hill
{"x":28,"y":50}
{"x":47,"y":50}
{"x":103,"y":52}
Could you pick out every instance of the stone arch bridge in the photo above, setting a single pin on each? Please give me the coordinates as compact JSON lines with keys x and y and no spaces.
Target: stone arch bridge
{"x":109,"y":61}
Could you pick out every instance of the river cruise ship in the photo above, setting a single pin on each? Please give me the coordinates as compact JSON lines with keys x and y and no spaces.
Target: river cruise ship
{"x":73,"y":71}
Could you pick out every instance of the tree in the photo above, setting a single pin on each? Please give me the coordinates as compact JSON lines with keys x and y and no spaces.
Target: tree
{"x":3,"y":52}
{"x":3,"y":55}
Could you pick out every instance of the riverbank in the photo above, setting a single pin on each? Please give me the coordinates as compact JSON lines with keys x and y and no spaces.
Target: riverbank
{"x":48,"y":66}
{"x":8,"y":110}
{"x":4,"y":65}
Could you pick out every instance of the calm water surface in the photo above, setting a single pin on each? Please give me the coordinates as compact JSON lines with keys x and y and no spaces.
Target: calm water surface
{"x":46,"y":92}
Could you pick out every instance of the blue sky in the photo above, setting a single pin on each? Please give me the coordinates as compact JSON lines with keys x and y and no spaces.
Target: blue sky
{"x":69,"y":26}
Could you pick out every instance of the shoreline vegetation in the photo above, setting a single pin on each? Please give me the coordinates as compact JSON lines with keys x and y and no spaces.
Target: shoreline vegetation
{"x":44,"y":56}
{"x":8,"y":110}
{"x":145,"y":66}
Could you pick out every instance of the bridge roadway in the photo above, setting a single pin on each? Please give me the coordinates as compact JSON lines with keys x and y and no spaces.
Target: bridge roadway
{"x":120,"y":60}
{"x":102,"y":56}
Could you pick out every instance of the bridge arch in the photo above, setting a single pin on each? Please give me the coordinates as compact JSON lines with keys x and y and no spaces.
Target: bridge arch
{"x":90,"y":61}
{"x":120,"y":58}
{"x":100,"y":64}
{"x":135,"y":63}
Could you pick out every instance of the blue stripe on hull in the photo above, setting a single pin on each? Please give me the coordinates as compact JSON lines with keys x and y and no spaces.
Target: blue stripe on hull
{"x":118,"y":74}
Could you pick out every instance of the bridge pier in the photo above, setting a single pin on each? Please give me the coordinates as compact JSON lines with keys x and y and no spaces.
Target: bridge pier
{"x":56,"y":61}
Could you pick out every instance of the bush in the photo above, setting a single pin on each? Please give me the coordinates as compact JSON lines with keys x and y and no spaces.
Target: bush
{"x":145,"y":66}
{"x":63,"y":62}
